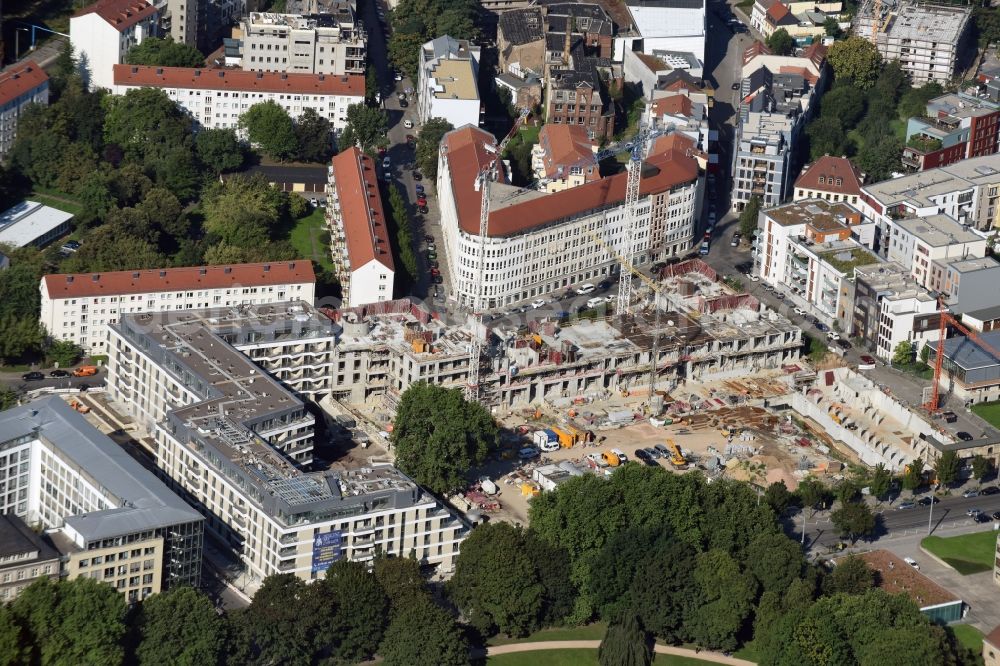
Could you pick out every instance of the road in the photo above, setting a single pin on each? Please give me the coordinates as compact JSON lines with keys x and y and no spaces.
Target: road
{"x":15,"y":381}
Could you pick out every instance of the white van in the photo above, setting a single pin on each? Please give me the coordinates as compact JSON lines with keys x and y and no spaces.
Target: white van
{"x":585,"y":289}
{"x":596,"y":301}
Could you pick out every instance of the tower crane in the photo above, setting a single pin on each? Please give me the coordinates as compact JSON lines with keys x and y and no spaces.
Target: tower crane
{"x":483,"y":181}
{"x":947,"y":320}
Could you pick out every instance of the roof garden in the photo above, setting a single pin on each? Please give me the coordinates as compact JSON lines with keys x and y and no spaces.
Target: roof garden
{"x":846,"y":261}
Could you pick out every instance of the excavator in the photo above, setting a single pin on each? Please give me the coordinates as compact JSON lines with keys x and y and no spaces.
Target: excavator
{"x":677,"y":458}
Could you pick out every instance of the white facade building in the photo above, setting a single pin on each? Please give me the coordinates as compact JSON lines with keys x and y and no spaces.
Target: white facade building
{"x":538,"y":242}
{"x":79,"y":307}
{"x":314,"y":44}
{"x":448,"y":85}
{"x":916,"y":243}
{"x":359,"y":230}
{"x":20,"y":85}
{"x":103,"y":33}
{"x":667,"y":25}
{"x":217,"y":98}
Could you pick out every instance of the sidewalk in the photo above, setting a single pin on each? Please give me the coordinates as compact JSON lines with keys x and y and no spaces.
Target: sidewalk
{"x":704,"y":655}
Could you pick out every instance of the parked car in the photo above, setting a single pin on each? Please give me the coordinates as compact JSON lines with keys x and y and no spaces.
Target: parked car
{"x":653,"y":453}
{"x":417,"y":176}
{"x":736,"y":86}
{"x":736,"y":240}
{"x":799,"y":311}
{"x":832,"y":335}
{"x":989,"y":490}
{"x":432,"y":256}
{"x":537,"y":303}
{"x":432,"y":263}
{"x":996,"y":515}
{"x":663,"y":450}
{"x":437,"y":279}
{"x":905,"y":505}
{"x":604,"y":285}
{"x":422,"y":210}
{"x":594,"y":302}
{"x":621,"y":454}
{"x":419,"y":188}
{"x":949,"y":416}
{"x":982,"y":518}
{"x":972,"y":513}
{"x":928,"y":499}
{"x":32,"y":376}
{"x":912,"y":562}
{"x":970,"y":493}
{"x":528,"y":453}
{"x":428,"y":238}
{"x":408,"y":124}
{"x":421,"y":200}
{"x":386,"y":162}
{"x":403,"y":104}
{"x":59,"y":374}
{"x":585,"y":289}
{"x":821,"y":327}
{"x":964,"y":436}
{"x":867,"y":362}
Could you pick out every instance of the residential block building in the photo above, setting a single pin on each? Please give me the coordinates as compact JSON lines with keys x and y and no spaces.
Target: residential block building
{"x":833,"y":179}
{"x":239,"y":450}
{"x":202,"y":24}
{"x":667,"y":25}
{"x":448,"y":85}
{"x":538,"y":242}
{"x":969,"y":371}
{"x":574,"y":96}
{"x":103,"y":33}
{"x":890,"y":307}
{"x":329,"y":43}
{"x":24,"y":557}
{"x":359,"y":232}
{"x":79,"y":307}
{"x":957,"y":126}
{"x":921,"y":244}
{"x":521,"y":41}
{"x":564,"y":157}
{"x":20,"y":85}
{"x":216,"y":98}
{"x":801,"y":20}
{"x":111,"y":519}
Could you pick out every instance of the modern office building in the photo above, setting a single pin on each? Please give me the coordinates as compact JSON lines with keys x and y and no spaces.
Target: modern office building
{"x":239,"y":449}
{"x":103,"y":33}
{"x":359,"y":232}
{"x":20,"y":85}
{"x":448,"y":86}
{"x":216,"y":98}
{"x":78,"y":307}
{"x":956,"y":127}
{"x":111,"y":519}
{"x":538,"y":242}
{"x":328,"y":43}
{"x":25,"y":556}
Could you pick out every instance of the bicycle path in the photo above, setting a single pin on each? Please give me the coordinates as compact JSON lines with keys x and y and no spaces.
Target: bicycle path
{"x":705,"y":655}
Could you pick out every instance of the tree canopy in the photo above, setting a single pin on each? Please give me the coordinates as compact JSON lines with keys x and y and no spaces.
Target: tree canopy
{"x":269,"y":126}
{"x":428,"y":146}
{"x":625,"y":644}
{"x":857,"y":59}
{"x":164,"y":53}
{"x":367,"y":128}
{"x":440,"y":436}
{"x":180,"y":627}
{"x":415,"y":22}
{"x":780,"y":42}
{"x":748,"y":218}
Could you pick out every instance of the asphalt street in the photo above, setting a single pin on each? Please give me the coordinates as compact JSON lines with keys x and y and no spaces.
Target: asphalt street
{"x":16,"y":381}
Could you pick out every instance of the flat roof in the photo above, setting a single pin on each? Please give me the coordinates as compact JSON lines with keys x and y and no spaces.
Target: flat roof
{"x":984,"y":314}
{"x":972,"y":265}
{"x":820,"y":214}
{"x":938,"y":230}
{"x":929,"y":23}
{"x":143,"y":501}
{"x":454,"y":79}
{"x":918,"y":188}
{"x":895,"y":576}
{"x":28,"y":221}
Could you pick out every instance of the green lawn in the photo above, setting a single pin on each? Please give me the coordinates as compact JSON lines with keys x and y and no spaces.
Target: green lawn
{"x":967,"y":554}
{"x":989,"y":412}
{"x":969,"y":636}
{"x":58,"y":202}
{"x":589,"y":632}
{"x":305,"y":238}
{"x":578,"y":658}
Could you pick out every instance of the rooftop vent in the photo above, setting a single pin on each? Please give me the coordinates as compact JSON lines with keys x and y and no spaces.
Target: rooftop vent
{"x":159,"y":71}
{"x":95,"y":277}
{"x":260,"y":75}
{"x":197,"y":73}
{"x":227,"y":270}
{"x":163,"y":274}
{"x":135,"y":275}
{"x":222,"y":74}
{"x":291,"y":265}
{"x":69,"y":279}
{"x":202,"y":271}
{"x":135,"y":70}
{"x":267,"y":268}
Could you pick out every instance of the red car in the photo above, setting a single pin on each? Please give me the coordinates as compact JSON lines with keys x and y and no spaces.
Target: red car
{"x":421,"y":201}
{"x":435,"y":271}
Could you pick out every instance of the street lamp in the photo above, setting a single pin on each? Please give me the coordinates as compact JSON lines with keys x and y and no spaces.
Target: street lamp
{"x":17,"y":42}
{"x":930,"y":514}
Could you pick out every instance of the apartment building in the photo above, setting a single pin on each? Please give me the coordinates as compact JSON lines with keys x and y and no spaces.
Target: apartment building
{"x":668,"y":25}
{"x":538,"y":242}
{"x":890,"y":307}
{"x":521,"y":41}
{"x":24,"y":557}
{"x":920,"y":243}
{"x":202,"y":24}
{"x":238,"y":450}
{"x":966,"y":283}
{"x":574,"y":96}
{"x":956,"y":127}
{"x":929,"y":41}
{"x":687,"y":114}
{"x":329,"y":43}
{"x":965,"y":191}
{"x":79,"y":307}
{"x":216,"y":98}
{"x":448,"y":86}
{"x":111,"y":519}
{"x":801,"y":20}
{"x":564,"y":157}
{"x":20,"y":85}
{"x":362,"y":254}
{"x":833,"y":179}
{"x":103,"y":33}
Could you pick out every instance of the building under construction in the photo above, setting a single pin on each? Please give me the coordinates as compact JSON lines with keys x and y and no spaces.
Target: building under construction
{"x":928,"y":40}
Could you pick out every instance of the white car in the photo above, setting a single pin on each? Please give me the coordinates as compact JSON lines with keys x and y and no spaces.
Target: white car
{"x":833,"y":335}
{"x":799,"y":311}
{"x":386,"y":162}
{"x":585,"y":289}
{"x":755,"y":278}
{"x":537,"y":303}
{"x":621,"y":455}
{"x":550,"y":447}
{"x":912,"y":562}
{"x":408,"y":124}
{"x":398,"y":77}
{"x":595,"y":301}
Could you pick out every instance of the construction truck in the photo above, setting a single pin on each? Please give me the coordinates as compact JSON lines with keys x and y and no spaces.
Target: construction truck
{"x":79,"y":406}
{"x":677,"y":459}
{"x":85,"y":371}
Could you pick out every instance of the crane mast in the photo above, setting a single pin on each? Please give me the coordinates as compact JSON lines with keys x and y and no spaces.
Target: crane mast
{"x":631,"y":199}
{"x":483,"y":181}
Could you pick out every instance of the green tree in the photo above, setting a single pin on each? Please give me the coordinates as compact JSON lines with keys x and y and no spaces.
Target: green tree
{"x":913,"y":477}
{"x":982,"y":467}
{"x":775,"y":561}
{"x":857,"y":59}
{"x":219,"y":150}
{"x":366,"y":128}
{"x":826,"y":137}
{"x":845,"y":102}
{"x":780,"y":42}
{"x":854,"y":520}
{"x":550,"y":564}
{"x":625,"y":644}
{"x":903,"y":353}
{"x":111,"y":248}
{"x":428,"y":145}
{"x":748,"y":218}
{"x":423,"y":634}
{"x":181,"y":627}
{"x":440,"y":436}
{"x":8,"y":398}
{"x":851,"y":575}
{"x":399,"y":578}
{"x":812,"y":491}
{"x":947,"y":468}
{"x":913,"y":103}
{"x":493,"y":556}
{"x":145,"y":122}
{"x":879,"y":157}
{"x":846,"y":491}
{"x":832,"y":27}
{"x":362,"y":611}
{"x":64,"y":352}
{"x":404,"y":51}
{"x":313,"y":133}
{"x":15,"y":647}
{"x":404,"y":233}
{"x":728,"y":595}
{"x":20,"y":337}
{"x":244,"y":211}
{"x":880,"y":482}
{"x":778,"y":497}
{"x":270,"y":127}
{"x":371,"y":84}
{"x":164,"y":53}
{"x":286,"y":623}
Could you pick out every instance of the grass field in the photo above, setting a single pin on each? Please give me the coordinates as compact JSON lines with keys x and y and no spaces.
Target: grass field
{"x":305,"y":238}
{"x":967,"y":554}
{"x":57,"y":202}
{"x":989,"y":412}
{"x":590,"y":632}
{"x":578,"y":658}
{"x":969,"y":636}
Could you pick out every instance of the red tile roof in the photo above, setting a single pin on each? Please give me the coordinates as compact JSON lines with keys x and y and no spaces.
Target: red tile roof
{"x":566,"y":146}
{"x":121,"y":14}
{"x":361,"y":214}
{"x":675,"y":105}
{"x":466,"y":157}
{"x":993,"y":638}
{"x":816,"y":52}
{"x":177,"y":279}
{"x":228,"y":79}
{"x":777,"y":11}
{"x":830,"y":169}
{"x":20,"y":79}
{"x":754,"y":50}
